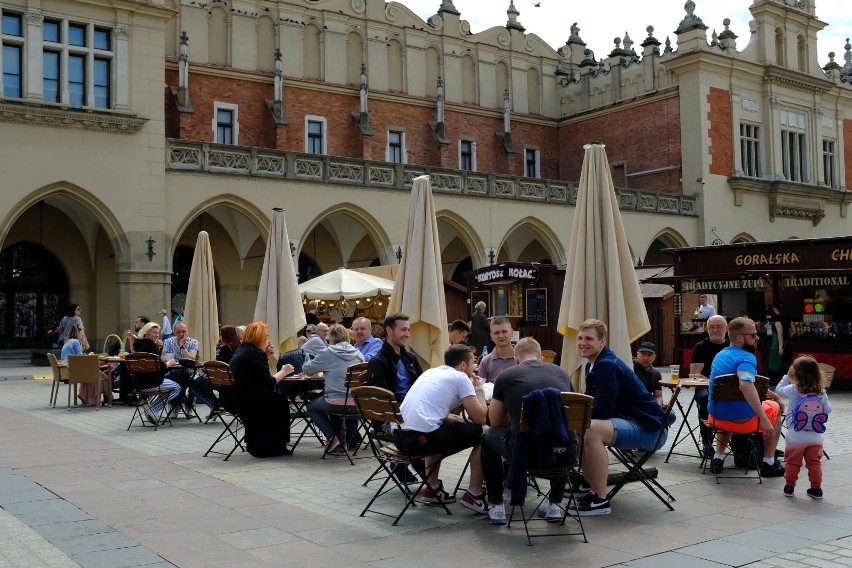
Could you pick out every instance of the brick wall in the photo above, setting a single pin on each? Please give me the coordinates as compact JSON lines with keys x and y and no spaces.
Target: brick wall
{"x":641,"y":138}
{"x":720,"y":132}
{"x":344,"y":138}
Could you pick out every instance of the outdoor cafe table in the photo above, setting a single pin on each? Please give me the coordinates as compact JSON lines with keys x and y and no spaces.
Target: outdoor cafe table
{"x":686,"y":430}
{"x":298,"y":388}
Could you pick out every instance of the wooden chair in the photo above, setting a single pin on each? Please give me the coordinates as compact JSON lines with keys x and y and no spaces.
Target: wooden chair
{"x":828,"y":373}
{"x":726,"y":388}
{"x":143,"y":366}
{"x":59,"y":374}
{"x":379,"y":405}
{"x":354,"y":378}
{"x":578,"y":417}
{"x":222,"y":380}
{"x":548,"y":356}
{"x":635,"y":462}
{"x":83,"y":369}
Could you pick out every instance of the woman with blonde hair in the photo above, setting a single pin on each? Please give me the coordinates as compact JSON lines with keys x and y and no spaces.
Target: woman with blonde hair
{"x":265,"y":412}
{"x":480,"y":330}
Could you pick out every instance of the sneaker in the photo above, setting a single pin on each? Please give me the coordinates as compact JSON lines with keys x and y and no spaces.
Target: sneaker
{"x":581,"y":487}
{"x":591,"y":505}
{"x":550,"y":511}
{"x":431,"y":495}
{"x":717,"y":465}
{"x":174,"y":412}
{"x":497,"y":514}
{"x":475,"y":503}
{"x":814,"y":493}
{"x":340,"y":450}
{"x":788,"y":490}
{"x":774,"y":470}
{"x":189,"y":410}
{"x":332,"y":445}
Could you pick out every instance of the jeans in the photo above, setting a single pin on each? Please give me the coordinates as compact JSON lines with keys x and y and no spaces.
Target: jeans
{"x":318,"y":410}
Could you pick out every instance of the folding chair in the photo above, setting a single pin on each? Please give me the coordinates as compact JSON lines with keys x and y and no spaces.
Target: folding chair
{"x":380,"y":405}
{"x":298,"y":391}
{"x":578,"y":417}
{"x":222,"y":380}
{"x":144,"y":368}
{"x":726,"y":388}
{"x":59,"y":374}
{"x":635,"y":465}
{"x":354,"y":379}
{"x":548,"y":356}
{"x":83,"y":369}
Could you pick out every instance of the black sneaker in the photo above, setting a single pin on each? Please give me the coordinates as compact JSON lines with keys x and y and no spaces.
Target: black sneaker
{"x":590,"y":505}
{"x":717,"y":465}
{"x":788,"y":490}
{"x":430,"y":495}
{"x":774,"y":470}
{"x":814,"y":493}
{"x":581,"y":487}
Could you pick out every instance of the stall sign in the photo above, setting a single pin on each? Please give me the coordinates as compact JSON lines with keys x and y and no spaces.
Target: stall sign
{"x":815,"y":281}
{"x":499,"y":273}
{"x":691,"y":286}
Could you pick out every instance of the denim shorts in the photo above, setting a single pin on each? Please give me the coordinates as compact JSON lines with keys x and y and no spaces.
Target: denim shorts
{"x":629,"y":436}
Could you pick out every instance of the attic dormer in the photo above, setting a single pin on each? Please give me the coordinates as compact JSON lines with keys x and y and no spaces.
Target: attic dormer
{"x":787,"y":34}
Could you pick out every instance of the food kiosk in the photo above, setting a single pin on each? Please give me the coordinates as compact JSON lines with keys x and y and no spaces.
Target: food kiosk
{"x":810,"y":277}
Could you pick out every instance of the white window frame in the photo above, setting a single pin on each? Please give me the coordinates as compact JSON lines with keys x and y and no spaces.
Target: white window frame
{"x":472,"y":153}
{"x":830,"y":172}
{"x":537,"y":157}
{"x":794,"y":144}
{"x":235,"y":109}
{"x":403,"y":149}
{"x":321,"y":119}
{"x":751,"y":159}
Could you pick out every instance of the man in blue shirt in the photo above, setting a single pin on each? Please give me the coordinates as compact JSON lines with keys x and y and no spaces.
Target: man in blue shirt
{"x":743,"y":416}
{"x":393,"y":367}
{"x":368,"y":345}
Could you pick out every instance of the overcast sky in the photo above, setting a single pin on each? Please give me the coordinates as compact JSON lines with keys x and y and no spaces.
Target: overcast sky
{"x":602,"y":20}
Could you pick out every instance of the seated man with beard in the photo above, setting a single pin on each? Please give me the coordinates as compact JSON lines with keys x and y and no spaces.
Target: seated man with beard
{"x":741,"y":416}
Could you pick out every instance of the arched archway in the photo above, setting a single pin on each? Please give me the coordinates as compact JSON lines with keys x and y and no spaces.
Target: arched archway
{"x":667,"y":238}
{"x":743,"y":238}
{"x":529,"y":240}
{"x":461,"y":248}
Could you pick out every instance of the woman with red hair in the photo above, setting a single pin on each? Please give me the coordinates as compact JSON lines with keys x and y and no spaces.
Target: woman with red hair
{"x":265,"y":413}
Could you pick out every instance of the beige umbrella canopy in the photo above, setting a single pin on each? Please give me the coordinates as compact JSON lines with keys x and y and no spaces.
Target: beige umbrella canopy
{"x":600,"y":281}
{"x":278,"y":301}
{"x":419,"y":287}
{"x":201,"y":314}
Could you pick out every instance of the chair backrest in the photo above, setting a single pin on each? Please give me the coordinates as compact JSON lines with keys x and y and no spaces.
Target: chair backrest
{"x":727,"y":388}
{"x":828,"y":373}
{"x":142,"y":363}
{"x":548,"y":356}
{"x":83,"y":369}
{"x":355,"y":376}
{"x":54,"y":366}
{"x":219,"y":373}
{"x":377,"y":404}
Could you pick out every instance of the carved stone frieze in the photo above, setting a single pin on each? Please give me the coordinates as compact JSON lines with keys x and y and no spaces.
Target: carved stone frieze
{"x":68,"y":118}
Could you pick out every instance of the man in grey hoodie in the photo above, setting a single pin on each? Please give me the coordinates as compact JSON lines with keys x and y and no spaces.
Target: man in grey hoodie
{"x":333,"y":362}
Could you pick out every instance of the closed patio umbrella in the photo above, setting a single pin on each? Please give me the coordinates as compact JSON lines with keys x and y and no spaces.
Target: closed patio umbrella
{"x":419,"y":287}
{"x":201,"y":314}
{"x":600,"y":281}
{"x":278,"y":301}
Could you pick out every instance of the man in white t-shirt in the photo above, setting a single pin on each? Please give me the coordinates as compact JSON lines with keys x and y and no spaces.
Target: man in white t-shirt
{"x":426,"y":431}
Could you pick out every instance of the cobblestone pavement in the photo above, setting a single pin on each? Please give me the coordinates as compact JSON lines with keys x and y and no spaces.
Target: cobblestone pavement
{"x":76,"y":488}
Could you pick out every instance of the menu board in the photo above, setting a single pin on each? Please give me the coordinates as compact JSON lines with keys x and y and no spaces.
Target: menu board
{"x":536,"y":306}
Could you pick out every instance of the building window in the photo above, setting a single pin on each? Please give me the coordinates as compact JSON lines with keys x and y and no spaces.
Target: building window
{"x":794,"y":150}
{"x":315,"y":138}
{"x":829,"y":158}
{"x":50,"y":83}
{"x":467,"y":155}
{"x":78,"y":62}
{"x":750,"y":149}
{"x":226,"y":125}
{"x":396,"y":147}
{"x":532,"y":163}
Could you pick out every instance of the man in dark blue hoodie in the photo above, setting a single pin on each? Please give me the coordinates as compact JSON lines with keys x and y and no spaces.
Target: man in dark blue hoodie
{"x":625,"y":415}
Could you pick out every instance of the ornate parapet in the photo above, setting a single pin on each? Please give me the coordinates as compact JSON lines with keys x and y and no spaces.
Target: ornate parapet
{"x":789,"y":199}
{"x":185,"y":155}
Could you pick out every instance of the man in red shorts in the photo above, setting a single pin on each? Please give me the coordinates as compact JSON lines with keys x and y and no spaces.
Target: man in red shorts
{"x":743,"y":416}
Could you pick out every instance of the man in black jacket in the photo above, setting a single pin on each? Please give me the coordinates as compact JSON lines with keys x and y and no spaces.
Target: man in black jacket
{"x":393,"y":367}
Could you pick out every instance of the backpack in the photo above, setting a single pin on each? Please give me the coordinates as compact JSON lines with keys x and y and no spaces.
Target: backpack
{"x":809,"y":413}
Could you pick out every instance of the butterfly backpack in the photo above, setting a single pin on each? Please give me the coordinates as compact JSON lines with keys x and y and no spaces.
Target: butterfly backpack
{"x":809,"y":414}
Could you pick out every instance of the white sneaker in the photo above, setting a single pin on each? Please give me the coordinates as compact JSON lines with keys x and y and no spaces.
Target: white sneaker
{"x":550,"y":511}
{"x":497,"y":514}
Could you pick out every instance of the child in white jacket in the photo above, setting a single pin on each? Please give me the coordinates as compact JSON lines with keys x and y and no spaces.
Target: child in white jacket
{"x":809,"y":409}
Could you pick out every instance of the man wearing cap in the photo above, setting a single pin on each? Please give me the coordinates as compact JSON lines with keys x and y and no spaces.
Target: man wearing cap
{"x":643,"y":366}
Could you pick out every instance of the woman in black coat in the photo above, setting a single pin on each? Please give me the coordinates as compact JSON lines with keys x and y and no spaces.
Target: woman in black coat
{"x":265,"y":413}
{"x":480,"y":329}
